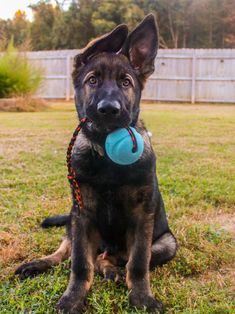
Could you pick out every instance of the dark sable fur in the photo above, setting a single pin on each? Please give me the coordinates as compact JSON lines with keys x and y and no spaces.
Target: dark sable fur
{"x":123,"y":216}
{"x":57,"y":221}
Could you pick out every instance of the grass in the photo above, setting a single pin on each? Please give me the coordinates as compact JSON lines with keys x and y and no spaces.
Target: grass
{"x":196,"y":170}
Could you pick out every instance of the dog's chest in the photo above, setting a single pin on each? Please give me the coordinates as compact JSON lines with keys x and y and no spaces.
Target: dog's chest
{"x":112,"y":218}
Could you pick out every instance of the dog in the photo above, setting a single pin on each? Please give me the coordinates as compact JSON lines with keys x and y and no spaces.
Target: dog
{"x":123,"y":221}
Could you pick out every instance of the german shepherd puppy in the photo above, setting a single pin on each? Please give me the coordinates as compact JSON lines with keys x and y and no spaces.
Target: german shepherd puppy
{"x":123,"y":221}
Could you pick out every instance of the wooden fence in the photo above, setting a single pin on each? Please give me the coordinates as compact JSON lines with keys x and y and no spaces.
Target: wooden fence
{"x":182,"y":75}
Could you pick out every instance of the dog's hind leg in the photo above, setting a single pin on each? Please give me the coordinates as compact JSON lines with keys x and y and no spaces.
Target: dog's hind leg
{"x":163,"y":250}
{"x":106,"y":267}
{"x":41,"y":265}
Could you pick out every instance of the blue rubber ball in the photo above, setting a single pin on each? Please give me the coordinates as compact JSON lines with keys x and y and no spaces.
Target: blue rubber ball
{"x":119,"y":145}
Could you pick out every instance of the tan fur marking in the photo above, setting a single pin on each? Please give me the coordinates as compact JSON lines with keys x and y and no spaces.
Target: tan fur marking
{"x":102,"y":263}
{"x":63,"y":252}
{"x":131,"y":79}
{"x":89,"y":282}
{"x":128,"y":281}
{"x":106,"y":265}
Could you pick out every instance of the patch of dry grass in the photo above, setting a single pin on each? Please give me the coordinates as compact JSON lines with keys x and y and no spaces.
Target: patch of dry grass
{"x":22,"y":104}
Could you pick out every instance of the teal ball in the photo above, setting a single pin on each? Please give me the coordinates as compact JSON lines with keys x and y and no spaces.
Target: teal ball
{"x":119,"y":145}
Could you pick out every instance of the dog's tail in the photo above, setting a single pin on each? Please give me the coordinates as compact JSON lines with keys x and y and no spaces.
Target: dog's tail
{"x":55,"y":221}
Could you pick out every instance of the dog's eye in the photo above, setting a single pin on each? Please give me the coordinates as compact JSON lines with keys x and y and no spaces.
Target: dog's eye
{"x":92,"y":80}
{"x":126,"y":82}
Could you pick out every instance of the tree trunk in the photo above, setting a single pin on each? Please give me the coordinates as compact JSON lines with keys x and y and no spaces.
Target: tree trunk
{"x":172,"y":31}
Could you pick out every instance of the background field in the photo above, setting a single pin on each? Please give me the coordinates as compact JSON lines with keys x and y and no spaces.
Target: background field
{"x":195,"y":146}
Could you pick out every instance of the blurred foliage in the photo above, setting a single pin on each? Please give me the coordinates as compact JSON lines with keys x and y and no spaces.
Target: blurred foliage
{"x":17,"y":76}
{"x":71,"y":24}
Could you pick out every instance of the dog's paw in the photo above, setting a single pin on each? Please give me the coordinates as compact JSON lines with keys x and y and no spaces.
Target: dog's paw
{"x":69,"y":305}
{"x":110,"y":274}
{"x":31,"y":269}
{"x":141,"y":301}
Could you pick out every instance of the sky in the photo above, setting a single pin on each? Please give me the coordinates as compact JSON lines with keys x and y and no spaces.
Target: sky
{"x":9,"y":7}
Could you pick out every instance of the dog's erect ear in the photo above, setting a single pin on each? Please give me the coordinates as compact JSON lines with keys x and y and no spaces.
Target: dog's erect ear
{"x":111,"y":42}
{"x":141,"y":46}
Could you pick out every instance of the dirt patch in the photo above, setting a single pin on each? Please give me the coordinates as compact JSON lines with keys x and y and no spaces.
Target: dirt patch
{"x":222,"y":276}
{"x":226,"y":221}
{"x":22,"y":104}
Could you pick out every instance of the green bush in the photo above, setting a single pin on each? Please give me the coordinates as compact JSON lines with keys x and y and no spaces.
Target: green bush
{"x":17,"y":76}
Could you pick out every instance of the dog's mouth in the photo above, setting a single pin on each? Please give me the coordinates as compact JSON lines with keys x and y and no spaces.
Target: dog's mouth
{"x":98,"y":126}
{"x":106,"y":123}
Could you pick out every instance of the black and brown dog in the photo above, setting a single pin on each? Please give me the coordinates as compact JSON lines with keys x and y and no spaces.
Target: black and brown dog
{"x":123,"y":221}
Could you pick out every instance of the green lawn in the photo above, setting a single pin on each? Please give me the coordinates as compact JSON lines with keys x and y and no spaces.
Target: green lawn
{"x":195,"y":146}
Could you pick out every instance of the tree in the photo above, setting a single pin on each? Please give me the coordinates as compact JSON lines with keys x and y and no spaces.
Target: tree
{"x":73,"y":27}
{"x":5,"y":34}
{"x":59,"y":33}
{"x":174,"y":22}
{"x":86,"y":29}
{"x":42,"y":26}
{"x":228,"y":24}
{"x":20,"y":28}
{"x":16,"y":29}
{"x":111,"y":13}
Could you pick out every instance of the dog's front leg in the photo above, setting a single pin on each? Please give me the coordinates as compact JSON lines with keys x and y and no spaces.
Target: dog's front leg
{"x":85,"y":240}
{"x":139,"y":246}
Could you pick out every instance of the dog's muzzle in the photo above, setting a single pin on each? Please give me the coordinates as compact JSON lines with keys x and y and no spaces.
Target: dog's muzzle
{"x":109,"y":109}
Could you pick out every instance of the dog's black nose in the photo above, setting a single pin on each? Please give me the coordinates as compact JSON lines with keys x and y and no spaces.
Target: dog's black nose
{"x":108,"y":108}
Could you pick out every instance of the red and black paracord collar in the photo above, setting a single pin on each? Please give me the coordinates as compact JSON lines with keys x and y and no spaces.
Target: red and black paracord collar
{"x":71,"y":172}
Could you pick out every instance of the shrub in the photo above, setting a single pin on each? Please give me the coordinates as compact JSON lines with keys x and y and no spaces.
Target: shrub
{"x":17,"y":76}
